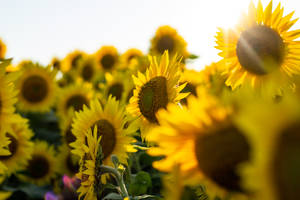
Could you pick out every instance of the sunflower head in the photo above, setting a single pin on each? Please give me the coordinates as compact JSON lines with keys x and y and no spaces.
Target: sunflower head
{"x":73,"y":98}
{"x":42,"y":167}
{"x":37,"y":88}
{"x":167,"y":39}
{"x":260,"y":45}
{"x":88,"y":69}
{"x":56,"y":63}
{"x":110,"y":121}
{"x":20,"y":146}
{"x":208,"y":136}
{"x":69,"y":163}
{"x":72,"y":61}
{"x":155,"y":89}
{"x":2,"y":49}
{"x":107,"y":58}
{"x":128,"y":56}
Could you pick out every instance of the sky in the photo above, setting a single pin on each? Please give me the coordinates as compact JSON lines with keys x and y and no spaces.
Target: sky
{"x":41,"y":29}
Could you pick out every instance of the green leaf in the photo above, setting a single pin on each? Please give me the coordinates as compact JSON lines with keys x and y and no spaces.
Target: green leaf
{"x":193,"y":56}
{"x":140,"y":183}
{"x":146,"y":196}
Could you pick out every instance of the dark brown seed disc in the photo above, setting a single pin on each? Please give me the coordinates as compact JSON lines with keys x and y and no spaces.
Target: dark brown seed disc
{"x":69,"y":137}
{"x":77,"y":102}
{"x":108,"y":61}
{"x":35,"y":89}
{"x":260,"y":50}
{"x":75,"y":61}
{"x":87,"y":72}
{"x":152,"y":97}
{"x":12,"y":147}
{"x":116,"y":90}
{"x":219,"y":153}
{"x":38,"y":166}
{"x":108,"y":133}
{"x":56,"y":65}
{"x":286,"y":164}
{"x":165,"y":42}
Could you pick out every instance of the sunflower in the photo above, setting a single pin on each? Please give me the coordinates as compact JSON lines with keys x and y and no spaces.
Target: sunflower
{"x":260,"y":46}
{"x":37,"y":88}
{"x":192,"y":79}
{"x":90,"y":174}
{"x":167,"y":38}
{"x":72,"y":61}
{"x":118,"y":85}
{"x":88,"y":69}
{"x":139,"y":64}
{"x":73,"y":97}
{"x":155,"y":90}
{"x":65,"y":125}
{"x":107,"y":58}
{"x":273,"y":171}
{"x":128,"y":56}
{"x":56,"y":63}
{"x":200,"y":138}
{"x":20,"y":146}
{"x":7,"y":96}
{"x":110,"y":120}
{"x":69,"y":163}
{"x":42,"y":167}
{"x":2,"y":49}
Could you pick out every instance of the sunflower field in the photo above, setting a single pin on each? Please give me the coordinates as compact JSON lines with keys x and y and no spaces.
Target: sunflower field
{"x":143,"y":126}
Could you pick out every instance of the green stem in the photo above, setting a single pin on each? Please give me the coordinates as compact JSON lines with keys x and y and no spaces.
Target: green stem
{"x":106,"y":169}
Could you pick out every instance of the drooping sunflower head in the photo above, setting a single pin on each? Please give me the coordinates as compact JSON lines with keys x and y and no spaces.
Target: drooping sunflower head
{"x":37,"y":88}
{"x":110,"y":120}
{"x":259,"y":46}
{"x":167,"y":38}
{"x":20,"y":146}
{"x":155,"y":89}
{"x":128,"y":56}
{"x":88,"y":69}
{"x":7,"y":96}
{"x":73,"y":97}
{"x":42,"y":166}
{"x":118,"y":85}
{"x":72,"y":61}
{"x":107,"y":58}
{"x":273,"y":171}
{"x":2,"y":49}
{"x":204,"y":140}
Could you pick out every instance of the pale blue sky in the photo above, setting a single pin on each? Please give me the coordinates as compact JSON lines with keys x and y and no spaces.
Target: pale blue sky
{"x":41,"y":29}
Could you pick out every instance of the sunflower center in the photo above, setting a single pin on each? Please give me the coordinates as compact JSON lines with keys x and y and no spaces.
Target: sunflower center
{"x":35,"y":89}
{"x":166,"y":42}
{"x":12,"y":147}
{"x":108,"y":133}
{"x":286,"y":164}
{"x":77,"y":102}
{"x":260,"y":50}
{"x":108,"y":61}
{"x":71,"y":163}
{"x":75,"y":61}
{"x":152,"y":97}
{"x":69,"y":135}
{"x":87,"y":72}
{"x":38,"y":166}
{"x":116,"y":90}
{"x":218,"y":154}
